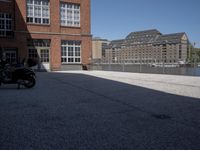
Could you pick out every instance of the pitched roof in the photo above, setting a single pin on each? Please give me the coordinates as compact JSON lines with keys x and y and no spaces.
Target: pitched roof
{"x":147,"y":37}
{"x":141,"y":37}
{"x":170,"y":38}
{"x":143,"y":33}
{"x":116,"y":43}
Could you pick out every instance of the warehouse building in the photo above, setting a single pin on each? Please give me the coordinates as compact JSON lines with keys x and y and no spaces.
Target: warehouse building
{"x":149,"y":46}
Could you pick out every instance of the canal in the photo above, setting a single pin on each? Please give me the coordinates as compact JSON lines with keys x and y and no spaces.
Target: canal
{"x":188,"y":71}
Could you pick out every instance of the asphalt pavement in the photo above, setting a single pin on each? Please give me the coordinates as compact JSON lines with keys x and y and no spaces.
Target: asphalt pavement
{"x":77,"y":111}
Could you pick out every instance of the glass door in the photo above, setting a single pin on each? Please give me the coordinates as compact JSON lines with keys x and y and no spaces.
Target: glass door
{"x":44,"y":58}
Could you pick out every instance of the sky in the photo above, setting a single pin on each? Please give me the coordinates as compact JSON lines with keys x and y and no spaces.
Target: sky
{"x":115,"y":19}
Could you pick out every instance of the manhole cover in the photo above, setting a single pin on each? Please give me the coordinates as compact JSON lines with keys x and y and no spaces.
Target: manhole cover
{"x":161,"y":116}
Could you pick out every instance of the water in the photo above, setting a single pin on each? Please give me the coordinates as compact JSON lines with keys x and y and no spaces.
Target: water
{"x":189,"y":71}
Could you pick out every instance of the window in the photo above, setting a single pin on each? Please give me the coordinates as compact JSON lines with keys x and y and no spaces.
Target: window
{"x":180,"y":51}
{"x":70,"y":14}
{"x":11,"y":56}
{"x":38,"y":11}
{"x":5,"y":25}
{"x":38,"y":42}
{"x":180,"y":54}
{"x":32,"y":53}
{"x":44,"y":55}
{"x":71,"y":52}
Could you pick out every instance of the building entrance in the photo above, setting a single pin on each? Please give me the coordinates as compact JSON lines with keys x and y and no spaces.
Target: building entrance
{"x":41,"y":55}
{"x":39,"y":50}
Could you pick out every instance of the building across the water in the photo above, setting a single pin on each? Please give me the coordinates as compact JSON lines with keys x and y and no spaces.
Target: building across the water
{"x":149,"y":46}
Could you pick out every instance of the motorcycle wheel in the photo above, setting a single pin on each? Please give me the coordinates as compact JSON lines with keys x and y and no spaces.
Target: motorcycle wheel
{"x":30,"y":82}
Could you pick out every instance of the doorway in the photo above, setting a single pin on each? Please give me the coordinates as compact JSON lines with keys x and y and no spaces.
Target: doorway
{"x":41,"y":55}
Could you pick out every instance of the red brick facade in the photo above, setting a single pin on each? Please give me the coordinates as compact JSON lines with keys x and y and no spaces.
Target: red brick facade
{"x":22,"y":31}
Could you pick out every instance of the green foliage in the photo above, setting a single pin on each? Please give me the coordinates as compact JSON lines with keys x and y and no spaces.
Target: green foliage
{"x":193,"y":55}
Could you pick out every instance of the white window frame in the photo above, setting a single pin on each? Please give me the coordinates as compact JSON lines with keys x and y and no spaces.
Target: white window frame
{"x":31,"y":13}
{"x":65,"y":47}
{"x":70,"y":19}
{"x":44,"y":55}
{"x":7,"y":24}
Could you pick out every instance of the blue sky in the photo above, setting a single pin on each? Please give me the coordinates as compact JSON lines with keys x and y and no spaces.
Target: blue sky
{"x":115,"y":19}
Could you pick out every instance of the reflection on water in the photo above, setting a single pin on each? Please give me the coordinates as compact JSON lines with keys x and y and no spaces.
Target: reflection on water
{"x":190,"y":71}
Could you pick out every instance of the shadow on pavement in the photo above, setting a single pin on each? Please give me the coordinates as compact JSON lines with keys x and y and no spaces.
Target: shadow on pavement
{"x":76,"y":111}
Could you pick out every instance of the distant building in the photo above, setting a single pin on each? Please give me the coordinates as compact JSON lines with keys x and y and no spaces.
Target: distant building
{"x":56,"y":33}
{"x":98,"y":48}
{"x":149,"y":46}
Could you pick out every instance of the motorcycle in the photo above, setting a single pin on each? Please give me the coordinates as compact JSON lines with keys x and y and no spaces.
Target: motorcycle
{"x":19,"y":75}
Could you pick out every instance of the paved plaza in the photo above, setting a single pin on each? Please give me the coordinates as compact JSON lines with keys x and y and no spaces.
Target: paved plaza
{"x":97,"y":110}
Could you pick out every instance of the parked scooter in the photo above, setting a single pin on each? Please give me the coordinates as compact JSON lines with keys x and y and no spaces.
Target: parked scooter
{"x":18,"y":74}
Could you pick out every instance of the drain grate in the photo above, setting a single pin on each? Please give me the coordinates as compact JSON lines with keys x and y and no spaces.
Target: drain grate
{"x":161,"y":116}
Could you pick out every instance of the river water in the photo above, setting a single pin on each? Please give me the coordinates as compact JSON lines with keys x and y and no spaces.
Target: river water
{"x":188,"y":71}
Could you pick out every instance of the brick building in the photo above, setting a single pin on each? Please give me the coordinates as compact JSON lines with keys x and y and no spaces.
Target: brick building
{"x":56,"y":33}
{"x":149,"y":46}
